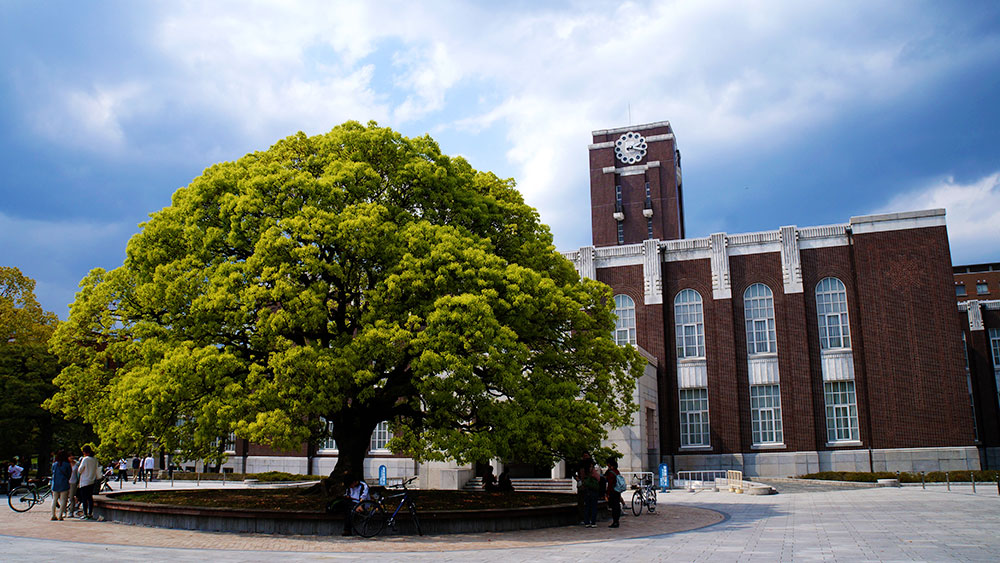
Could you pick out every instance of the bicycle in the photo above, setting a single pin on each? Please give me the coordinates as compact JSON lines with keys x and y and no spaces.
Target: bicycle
{"x":22,"y":499}
{"x":644,"y":495}
{"x":369,"y":517}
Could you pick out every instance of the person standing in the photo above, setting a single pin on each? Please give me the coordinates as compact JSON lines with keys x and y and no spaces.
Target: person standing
{"x":590,"y":482}
{"x":613,"y":493}
{"x":136,"y":469}
{"x":89,"y":474}
{"x":74,"y":485}
{"x":62,"y":470}
{"x":122,"y":470}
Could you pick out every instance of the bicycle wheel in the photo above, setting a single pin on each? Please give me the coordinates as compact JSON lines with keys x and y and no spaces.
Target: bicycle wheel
{"x":413,"y":516}
{"x":637,"y":502}
{"x":21,"y":499}
{"x":368,"y":519}
{"x":651,"y":500}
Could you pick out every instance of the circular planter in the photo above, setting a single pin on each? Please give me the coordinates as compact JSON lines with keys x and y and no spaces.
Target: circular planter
{"x":211,"y":519}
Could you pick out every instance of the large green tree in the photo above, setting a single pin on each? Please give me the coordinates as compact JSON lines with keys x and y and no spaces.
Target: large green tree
{"x":359,"y":276}
{"x":26,"y":372}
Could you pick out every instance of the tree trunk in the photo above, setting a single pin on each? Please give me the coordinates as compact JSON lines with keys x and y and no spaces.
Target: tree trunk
{"x":353,"y":436}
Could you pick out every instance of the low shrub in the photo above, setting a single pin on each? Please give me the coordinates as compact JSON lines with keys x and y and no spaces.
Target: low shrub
{"x":267,"y":476}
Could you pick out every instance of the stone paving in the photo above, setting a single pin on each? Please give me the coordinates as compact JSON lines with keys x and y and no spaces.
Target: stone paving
{"x":904,"y":524}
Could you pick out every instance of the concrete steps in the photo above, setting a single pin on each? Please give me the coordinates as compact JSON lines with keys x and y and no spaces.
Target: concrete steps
{"x":526,"y":484}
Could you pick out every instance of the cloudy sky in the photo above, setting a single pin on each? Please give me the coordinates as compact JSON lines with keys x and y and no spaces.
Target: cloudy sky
{"x":787,"y":113}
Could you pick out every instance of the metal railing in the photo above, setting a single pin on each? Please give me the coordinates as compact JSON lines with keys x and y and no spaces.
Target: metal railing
{"x":705,"y":479}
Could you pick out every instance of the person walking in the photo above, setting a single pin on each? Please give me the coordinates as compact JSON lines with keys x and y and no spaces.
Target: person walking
{"x":136,"y":469}
{"x":90,"y":472}
{"x":147,"y":467}
{"x":122,"y":470}
{"x":14,"y":472}
{"x":62,"y":470}
{"x":616,"y":485}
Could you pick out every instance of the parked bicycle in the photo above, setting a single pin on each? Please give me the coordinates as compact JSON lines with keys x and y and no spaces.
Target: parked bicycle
{"x":23,"y":498}
{"x":644,"y":495}
{"x":369,"y":518}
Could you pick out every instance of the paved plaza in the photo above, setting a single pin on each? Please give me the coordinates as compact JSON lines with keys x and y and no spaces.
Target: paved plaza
{"x":906,"y":524}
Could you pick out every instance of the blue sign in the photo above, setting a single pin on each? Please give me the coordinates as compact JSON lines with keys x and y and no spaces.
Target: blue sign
{"x":383,"y":475}
{"x":664,"y":477}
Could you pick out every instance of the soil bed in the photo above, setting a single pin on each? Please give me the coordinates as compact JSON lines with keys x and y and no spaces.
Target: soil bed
{"x":295,"y":500}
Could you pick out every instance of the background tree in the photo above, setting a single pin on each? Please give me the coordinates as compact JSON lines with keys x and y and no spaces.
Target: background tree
{"x":26,"y":373}
{"x":359,"y":276}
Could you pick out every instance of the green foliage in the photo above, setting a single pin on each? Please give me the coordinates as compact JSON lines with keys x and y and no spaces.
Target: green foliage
{"x":26,"y":372}
{"x":358,"y":276}
{"x":904,"y":477}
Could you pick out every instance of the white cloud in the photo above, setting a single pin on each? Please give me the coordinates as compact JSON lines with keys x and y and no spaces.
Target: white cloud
{"x":973,"y":214}
{"x":91,"y":117}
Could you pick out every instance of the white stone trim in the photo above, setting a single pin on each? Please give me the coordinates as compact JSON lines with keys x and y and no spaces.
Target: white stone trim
{"x":791,"y":263}
{"x":604,"y":145}
{"x":686,"y":249}
{"x":898,"y":221}
{"x":721,"y":285}
{"x":837,"y":365}
{"x":990,"y":304}
{"x":763,"y":370}
{"x":663,"y":137}
{"x":692,"y":374}
{"x":631,"y":170}
{"x":975,"y":315}
{"x":642,"y":127}
{"x":652,"y":274}
{"x":650,"y":139}
{"x":823,"y":236}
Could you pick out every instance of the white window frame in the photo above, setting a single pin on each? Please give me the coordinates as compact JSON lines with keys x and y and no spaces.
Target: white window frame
{"x":832,"y":316}
{"x":380,"y":437}
{"x":327,"y":444}
{"x":840,"y":398}
{"x":624,"y":320}
{"x":765,"y":415}
{"x":689,"y":324}
{"x":758,"y":308}
{"x":694,"y":420}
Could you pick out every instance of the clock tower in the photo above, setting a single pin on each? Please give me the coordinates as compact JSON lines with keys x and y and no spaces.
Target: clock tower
{"x":635,"y":185}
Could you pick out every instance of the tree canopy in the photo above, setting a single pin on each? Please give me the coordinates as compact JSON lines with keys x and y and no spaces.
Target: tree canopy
{"x":26,"y":373}
{"x":359,"y":276}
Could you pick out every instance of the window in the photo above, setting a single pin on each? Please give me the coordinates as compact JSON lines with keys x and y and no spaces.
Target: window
{"x":982,"y":287}
{"x":618,"y":194}
{"x":694,"y":417}
{"x":649,"y":228}
{"x":968,"y":383}
{"x":621,"y":233}
{"x":647,"y":191}
{"x":625,"y":324}
{"x":959,"y":289}
{"x":831,"y":307}
{"x":841,"y":411}
{"x":381,"y":436}
{"x":327,"y":442}
{"x":765,"y":414}
{"x":758,"y":305}
{"x":689,"y":324}
{"x":229,"y":443}
{"x":995,"y":347}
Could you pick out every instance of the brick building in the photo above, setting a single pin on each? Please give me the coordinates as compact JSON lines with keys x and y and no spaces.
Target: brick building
{"x":980,"y":326}
{"x":781,"y":352}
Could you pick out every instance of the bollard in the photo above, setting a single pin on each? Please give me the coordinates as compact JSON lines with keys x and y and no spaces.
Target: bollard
{"x":972,"y":476}
{"x":198,"y":484}
{"x":223,"y":478}
{"x":923,"y":484}
{"x":947,"y":480}
{"x":998,"y":483}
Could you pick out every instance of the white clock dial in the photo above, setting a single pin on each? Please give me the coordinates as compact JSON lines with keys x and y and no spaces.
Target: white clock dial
{"x":630,"y":148}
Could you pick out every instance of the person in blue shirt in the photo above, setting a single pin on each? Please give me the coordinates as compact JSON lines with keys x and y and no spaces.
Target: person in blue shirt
{"x":61,"y":471}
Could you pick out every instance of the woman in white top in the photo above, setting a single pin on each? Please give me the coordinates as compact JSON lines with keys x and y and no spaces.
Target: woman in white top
{"x":89,"y":473}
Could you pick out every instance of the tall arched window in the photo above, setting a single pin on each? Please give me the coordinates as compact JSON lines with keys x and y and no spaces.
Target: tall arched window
{"x":689,"y":324}
{"x":831,"y":308}
{"x":381,"y":436}
{"x":625,"y":324}
{"x":758,"y":305}
{"x":327,"y":442}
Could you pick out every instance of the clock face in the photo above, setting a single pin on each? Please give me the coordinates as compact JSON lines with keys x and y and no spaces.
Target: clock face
{"x":630,"y":148}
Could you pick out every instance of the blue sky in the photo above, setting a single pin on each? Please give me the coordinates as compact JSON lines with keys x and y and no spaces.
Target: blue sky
{"x":787,"y":113}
